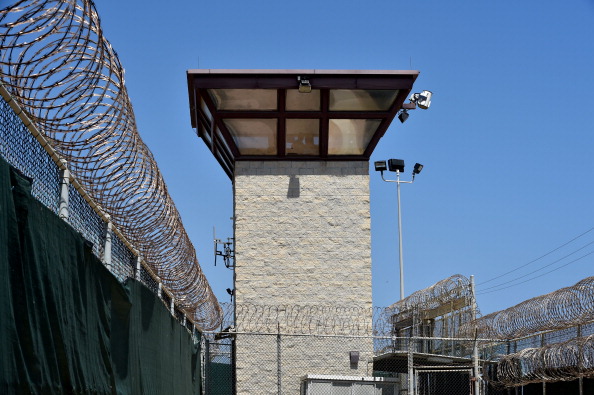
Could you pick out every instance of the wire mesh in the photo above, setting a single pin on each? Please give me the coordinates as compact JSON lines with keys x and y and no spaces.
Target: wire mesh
{"x":166,"y":299}
{"x":57,"y":64}
{"x":444,"y":381}
{"x":561,"y":309}
{"x":280,"y":363}
{"x":81,"y":216}
{"x":189,"y":326}
{"x":148,"y":280}
{"x":178,"y":314}
{"x":556,"y":362}
{"x":219,"y":372}
{"x":86,"y":221}
{"x":122,"y":260}
{"x":19,"y":148}
{"x":440,"y":310}
{"x":550,"y":338}
{"x":446,"y":291}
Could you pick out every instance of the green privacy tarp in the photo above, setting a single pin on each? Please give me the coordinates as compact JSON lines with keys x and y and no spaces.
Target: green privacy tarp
{"x":148,"y":331}
{"x":220,"y":379}
{"x":66,"y":324}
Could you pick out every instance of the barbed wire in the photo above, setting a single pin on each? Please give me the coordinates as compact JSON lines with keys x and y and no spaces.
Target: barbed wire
{"x":555,"y":362}
{"x":454,"y":291}
{"x":305,"y":319}
{"x":315,"y":319}
{"x":564,"y":308}
{"x":56,"y":62}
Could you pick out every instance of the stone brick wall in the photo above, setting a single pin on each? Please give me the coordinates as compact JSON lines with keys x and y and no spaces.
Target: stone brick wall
{"x":302,"y":233}
{"x":302,"y":237}
{"x":265,"y":361}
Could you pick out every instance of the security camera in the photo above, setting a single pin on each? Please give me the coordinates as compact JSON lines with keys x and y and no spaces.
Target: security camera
{"x":423,"y":99}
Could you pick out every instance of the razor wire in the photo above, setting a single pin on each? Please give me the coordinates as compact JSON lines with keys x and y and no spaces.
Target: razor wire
{"x":565,"y":308}
{"x":445,"y":291}
{"x":555,"y":362}
{"x":300,"y":319}
{"x":450,"y":298}
{"x":59,"y":67}
{"x":308,"y":319}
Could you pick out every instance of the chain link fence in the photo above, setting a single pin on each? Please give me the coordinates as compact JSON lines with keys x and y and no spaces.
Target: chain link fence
{"x":23,"y":151}
{"x":269,"y":363}
{"x":281,"y":363}
{"x":218,"y":365}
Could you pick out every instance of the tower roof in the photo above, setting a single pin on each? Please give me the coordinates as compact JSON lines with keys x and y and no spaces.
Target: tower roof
{"x":294,"y":114}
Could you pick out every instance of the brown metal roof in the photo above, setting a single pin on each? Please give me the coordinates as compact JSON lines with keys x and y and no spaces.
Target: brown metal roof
{"x":261,"y":115}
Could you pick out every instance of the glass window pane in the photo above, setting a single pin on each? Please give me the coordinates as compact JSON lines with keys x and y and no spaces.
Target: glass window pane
{"x":350,"y":136}
{"x":361,"y":100}
{"x":297,"y":101}
{"x":205,"y":110}
{"x":303,"y":136}
{"x":222,"y":139}
{"x":244,"y":99}
{"x":253,"y":136}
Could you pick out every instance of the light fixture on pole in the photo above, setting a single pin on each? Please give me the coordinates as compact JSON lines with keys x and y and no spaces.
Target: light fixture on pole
{"x":397,"y":165}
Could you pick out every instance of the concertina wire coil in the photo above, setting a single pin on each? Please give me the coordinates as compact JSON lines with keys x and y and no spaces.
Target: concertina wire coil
{"x":564,"y":308}
{"x":554,"y":362}
{"x":446,"y":291}
{"x":59,"y":67}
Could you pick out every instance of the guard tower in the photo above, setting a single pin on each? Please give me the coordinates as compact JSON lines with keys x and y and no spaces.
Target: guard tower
{"x":296,"y":146}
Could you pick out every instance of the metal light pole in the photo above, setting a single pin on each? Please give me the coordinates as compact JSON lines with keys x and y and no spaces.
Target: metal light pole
{"x":399,"y":236}
{"x":397,"y":165}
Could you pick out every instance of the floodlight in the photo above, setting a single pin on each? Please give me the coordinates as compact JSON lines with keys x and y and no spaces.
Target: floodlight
{"x":304,"y":84}
{"x":380,"y":165}
{"x":403,"y":116}
{"x":396,"y":165}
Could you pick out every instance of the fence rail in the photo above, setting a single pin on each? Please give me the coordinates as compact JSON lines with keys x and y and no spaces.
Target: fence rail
{"x":283,"y":363}
{"x":68,"y":81}
{"x":551,"y":353}
{"x":25,"y":148}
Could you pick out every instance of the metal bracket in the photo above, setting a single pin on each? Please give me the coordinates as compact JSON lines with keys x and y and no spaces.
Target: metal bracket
{"x":227,"y":252}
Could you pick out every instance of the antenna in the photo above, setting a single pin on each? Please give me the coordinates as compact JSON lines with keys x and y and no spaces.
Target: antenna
{"x":228,"y":251}
{"x":216,"y":242}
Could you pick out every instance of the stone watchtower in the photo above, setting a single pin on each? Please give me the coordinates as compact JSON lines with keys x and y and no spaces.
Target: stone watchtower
{"x":296,"y":146}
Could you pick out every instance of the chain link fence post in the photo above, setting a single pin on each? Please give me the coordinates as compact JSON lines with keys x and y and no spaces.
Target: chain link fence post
{"x":138,"y":266}
{"x":278,"y":361}
{"x":108,"y":241}
{"x":63,"y":210}
{"x":410,"y":380}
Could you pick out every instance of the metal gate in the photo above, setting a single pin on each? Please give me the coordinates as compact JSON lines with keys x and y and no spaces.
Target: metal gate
{"x":448,"y":381}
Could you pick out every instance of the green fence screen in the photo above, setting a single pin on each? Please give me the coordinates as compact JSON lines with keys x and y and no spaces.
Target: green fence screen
{"x":67,"y":325}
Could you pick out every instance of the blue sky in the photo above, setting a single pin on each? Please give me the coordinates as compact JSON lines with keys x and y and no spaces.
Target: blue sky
{"x":507,"y":143}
